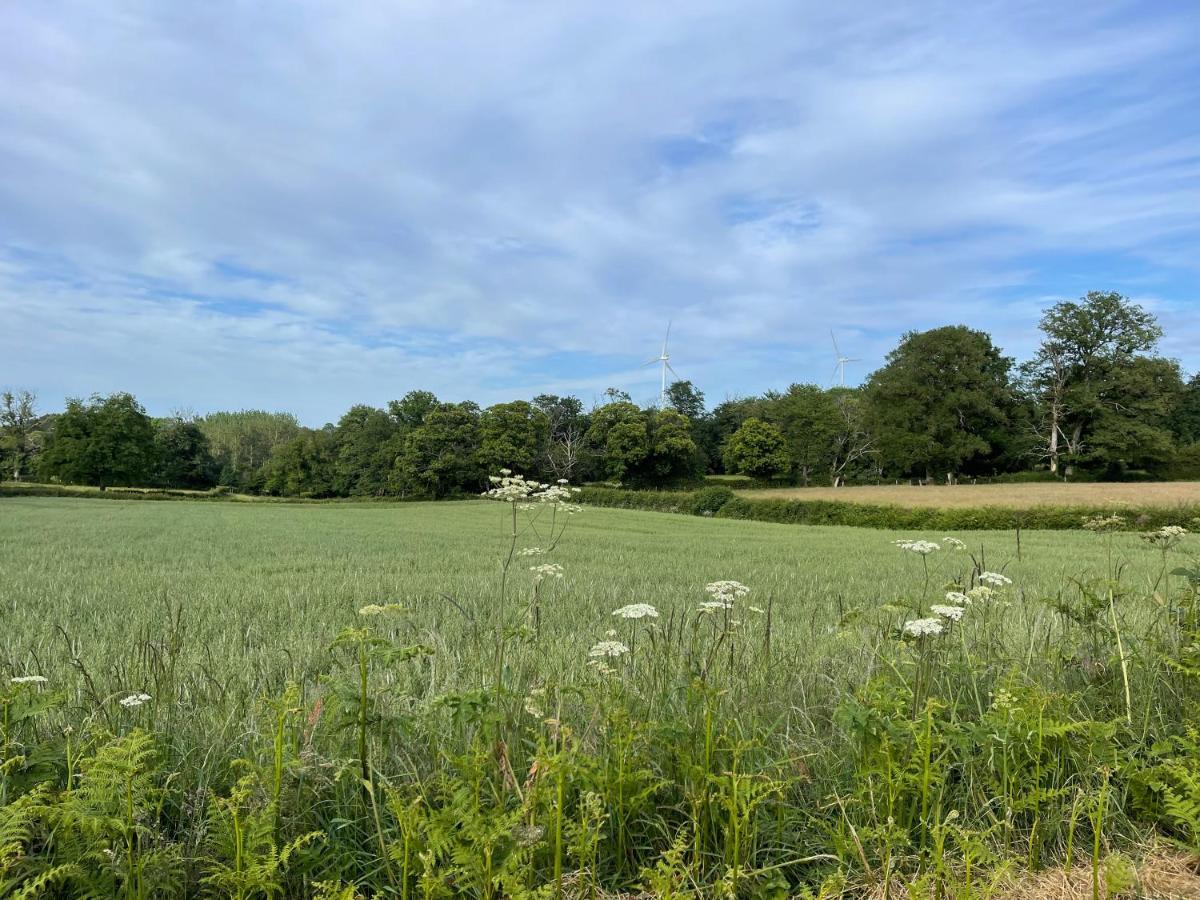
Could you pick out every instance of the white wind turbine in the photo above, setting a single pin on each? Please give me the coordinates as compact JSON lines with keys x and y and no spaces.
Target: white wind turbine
{"x":839,"y":368}
{"x":664,"y":359}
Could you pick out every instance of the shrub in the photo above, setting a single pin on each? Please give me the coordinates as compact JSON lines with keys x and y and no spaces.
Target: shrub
{"x":709,"y":500}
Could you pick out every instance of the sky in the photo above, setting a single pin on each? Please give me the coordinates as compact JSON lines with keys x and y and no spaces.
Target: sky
{"x":304,"y":205}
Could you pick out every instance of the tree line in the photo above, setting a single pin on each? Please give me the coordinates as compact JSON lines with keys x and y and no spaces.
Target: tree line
{"x":1096,"y":400}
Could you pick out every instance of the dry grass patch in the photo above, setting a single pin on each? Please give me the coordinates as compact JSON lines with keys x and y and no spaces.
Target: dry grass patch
{"x":1018,"y":496}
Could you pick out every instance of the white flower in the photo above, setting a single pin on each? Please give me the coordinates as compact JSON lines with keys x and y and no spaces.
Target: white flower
{"x":531,"y":551}
{"x":28,"y":679}
{"x":726,"y":592}
{"x":924,"y":548}
{"x":374,"y":609}
{"x":995,"y":579}
{"x":756,"y":609}
{"x":607,"y":650}
{"x":954,"y":543}
{"x":923,"y":627}
{"x":709,"y":606}
{"x":636,"y":611}
{"x":980,"y":592}
{"x":134,"y":700}
{"x":954,"y":613}
{"x":546,"y":570}
{"x":958,"y":597}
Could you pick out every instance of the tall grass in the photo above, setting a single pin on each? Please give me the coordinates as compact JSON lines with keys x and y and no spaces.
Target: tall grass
{"x":389,"y":702}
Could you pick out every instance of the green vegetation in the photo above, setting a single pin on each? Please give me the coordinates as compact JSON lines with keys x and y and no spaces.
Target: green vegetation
{"x":1095,"y":403}
{"x":345,"y":700}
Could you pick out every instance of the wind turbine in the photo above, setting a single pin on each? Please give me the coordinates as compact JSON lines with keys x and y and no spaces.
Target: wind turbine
{"x":665,"y":359}
{"x":839,"y":368}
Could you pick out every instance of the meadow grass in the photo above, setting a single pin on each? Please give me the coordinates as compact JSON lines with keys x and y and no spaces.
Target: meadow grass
{"x":1097,"y":495}
{"x":462,"y":744}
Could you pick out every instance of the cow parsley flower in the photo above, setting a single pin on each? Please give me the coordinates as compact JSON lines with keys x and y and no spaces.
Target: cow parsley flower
{"x":531,"y":551}
{"x":28,"y":679}
{"x":375,"y":609}
{"x":711,"y":606}
{"x":134,"y":700}
{"x":636,"y":611}
{"x":924,"y":548}
{"x":958,"y":597}
{"x":980,"y":592}
{"x":923,"y":627}
{"x":546,"y":570}
{"x":1103,"y":524}
{"x":995,"y":579}
{"x":607,"y":650}
{"x":1166,"y":537}
{"x":953,"y":613}
{"x":727,"y":590}
{"x":954,"y":543}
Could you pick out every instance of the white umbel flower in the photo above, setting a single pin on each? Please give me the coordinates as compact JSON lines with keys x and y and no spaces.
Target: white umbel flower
{"x":727,"y":591}
{"x":994,"y":579}
{"x":954,"y":543}
{"x":28,"y":679}
{"x":134,"y":700}
{"x":958,"y":597}
{"x":923,"y":548}
{"x":923,"y":627}
{"x":547,"y":570}
{"x":607,"y":650}
{"x":636,"y":611}
{"x":953,"y":613}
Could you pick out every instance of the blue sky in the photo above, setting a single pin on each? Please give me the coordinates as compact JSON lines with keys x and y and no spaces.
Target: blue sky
{"x":303,"y":205}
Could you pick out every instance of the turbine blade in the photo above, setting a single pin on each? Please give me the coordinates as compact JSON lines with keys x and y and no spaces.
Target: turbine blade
{"x":673,"y":372}
{"x":656,"y":359}
{"x":835,"y":346}
{"x":667,"y":339}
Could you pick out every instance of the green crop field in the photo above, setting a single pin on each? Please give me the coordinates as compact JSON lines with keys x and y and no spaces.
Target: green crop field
{"x":796,"y":740}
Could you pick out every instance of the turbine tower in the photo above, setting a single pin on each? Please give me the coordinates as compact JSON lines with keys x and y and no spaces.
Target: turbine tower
{"x":839,"y":368}
{"x":664,"y":359}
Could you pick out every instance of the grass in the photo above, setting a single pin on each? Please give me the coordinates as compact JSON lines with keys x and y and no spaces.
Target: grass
{"x":1018,"y":496}
{"x":807,"y":747}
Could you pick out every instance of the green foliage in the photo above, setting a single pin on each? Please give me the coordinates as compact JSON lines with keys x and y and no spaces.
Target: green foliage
{"x":366,"y":448}
{"x":756,"y":449}
{"x":440,"y":456}
{"x":242,"y":442}
{"x":302,"y":467}
{"x":183,"y":456}
{"x":512,"y":436}
{"x":708,"y":500}
{"x":103,"y":441}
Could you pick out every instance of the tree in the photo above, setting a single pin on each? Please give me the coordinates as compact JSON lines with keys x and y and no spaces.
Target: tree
{"x":512,"y":436}
{"x":853,"y":443}
{"x":941,"y":400}
{"x":715,"y":429}
{"x":105,"y":441}
{"x":618,"y":432}
{"x":673,"y":454}
{"x":757,"y":449}
{"x":1185,"y":418}
{"x":20,"y":431}
{"x":1075,"y":378}
{"x":302,"y":467}
{"x":683,"y":397}
{"x":566,"y":449}
{"x":439,"y":458}
{"x":364,"y":450}
{"x":410,"y":410}
{"x":241,"y":442}
{"x":183,"y":457}
{"x":809,"y":420}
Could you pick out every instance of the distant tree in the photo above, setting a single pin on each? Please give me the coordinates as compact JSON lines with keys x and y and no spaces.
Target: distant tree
{"x":302,"y":467}
{"x":621,"y":437}
{"x":20,"y":432}
{"x":1132,"y":428}
{"x":1073,"y":381}
{"x":940,"y":400}
{"x":106,"y":441}
{"x":673,"y":454}
{"x":440,"y":458}
{"x":183,"y":457}
{"x":757,"y":449}
{"x":513,"y":436}
{"x":810,"y":421}
{"x":714,"y":430}
{"x":684,"y":398}
{"x":1185,"y":418}
{"x":854,"y":446}
{"x":566,"y":448}
{"x":616,"y":395}
{"x":410,"y":410}
{"x":241,"y":442}
{"x":364,"y":451}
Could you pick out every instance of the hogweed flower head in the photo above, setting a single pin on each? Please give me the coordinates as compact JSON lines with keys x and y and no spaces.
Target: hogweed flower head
{"x":28,"y":679}
{"x":923,"y":627}
{"x":953,"y":613}
{"x":1104,"y":524}
{"x":1166,"y":537}
{"x":727,"y":591}
{"x":923,"y":548}
{"x":994,"y":579}
{"x":607,"y":650}
{"x":546,"y":570}
{"x":134,"y":700}
{"x":958,"y":597}
{"x":954,"y":543}
{"x":636,"y":611}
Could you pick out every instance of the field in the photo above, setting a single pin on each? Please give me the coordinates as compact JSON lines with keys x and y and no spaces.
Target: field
{"x":1018,"y":496}
{"x":462,"y":744}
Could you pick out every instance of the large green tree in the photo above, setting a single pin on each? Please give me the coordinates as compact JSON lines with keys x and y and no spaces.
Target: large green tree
{"x":365,"y":449}
{"x":183,"y":457}
{"x":757,"y":449}
{"x":20,"y":432}
{"x":102,"y":441}
{"x":809,"y":419}
{"x":513,"y":436}
{"x":440,"y":457}
{"x":941,"y":402}
{"x":243,"y":441}
{"x":1083,"y":376}
{"x":303,"y":466}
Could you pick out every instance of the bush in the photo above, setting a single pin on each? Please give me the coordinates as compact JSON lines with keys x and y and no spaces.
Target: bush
{"x":709,"y":500}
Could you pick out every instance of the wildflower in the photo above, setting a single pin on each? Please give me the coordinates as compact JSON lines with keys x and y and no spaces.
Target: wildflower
{"x":1103,"y":524}
{"x":922,"y":627}
{"x":1002,"y":700}
{"x":756,"y":609}
{"x":980,"y":592}
{"x":375,"y":609}
{"x":601,"y":667}
{"x":528,"y":835}
{"x":607,"y":649}
{"x":1166,"y":537}
{"x":995,"y":579}
{"x":531,"y":551}
{"x":727,"y":591}
{"x":636,"y":611}
{"x":546,"y":570}
{"x":709,"y":606}
{"x":954,"y":543}
{"x":134,"y":700}
{"x":28,"y":679}
{"x":924,"y":548}
{"x":953,"y":613}
{"x":958,"y":597}
{"x":533,"y":702}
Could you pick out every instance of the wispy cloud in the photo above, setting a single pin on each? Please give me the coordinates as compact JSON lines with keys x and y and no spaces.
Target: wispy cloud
{"x":303,"y":205}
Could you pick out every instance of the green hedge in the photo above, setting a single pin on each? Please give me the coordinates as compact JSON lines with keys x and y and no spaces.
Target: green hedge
{"x":862,"y":515}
